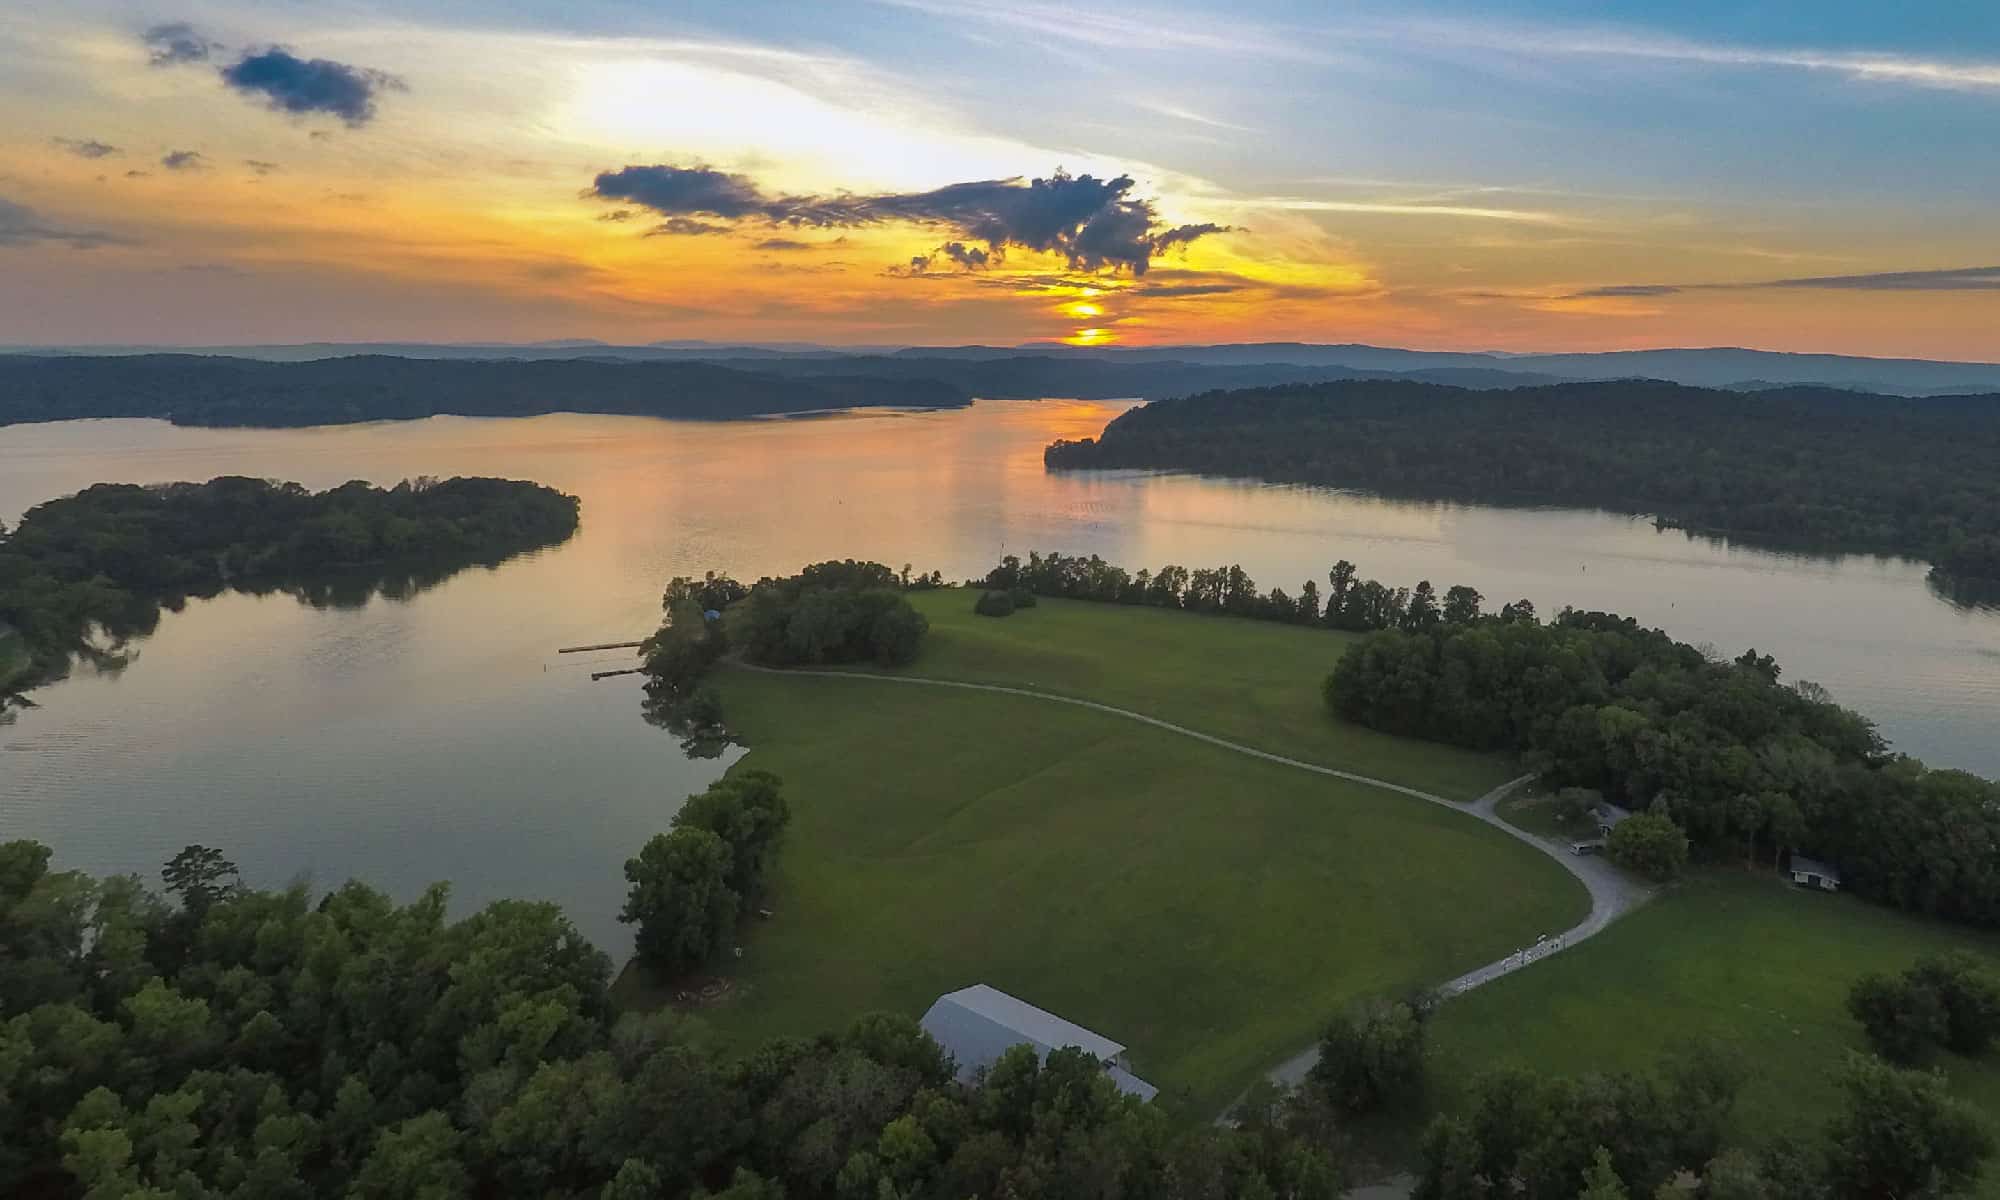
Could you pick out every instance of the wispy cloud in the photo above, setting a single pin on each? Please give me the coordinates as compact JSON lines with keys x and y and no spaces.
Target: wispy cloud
{"x":1398,"y":209}
{"x":1109,"y":31}
{"x":84,"y":147}
{"x":21,"y":226}
{"x":1948,"y":279}
{"x":1175,"y":30}
{"x":1964,"y":74}
{"x":184,"y":160}
{"x":1178,"y":113}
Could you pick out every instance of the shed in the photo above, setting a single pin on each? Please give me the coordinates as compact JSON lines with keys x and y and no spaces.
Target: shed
{"x":1610,"y":817}
{"x":1810,"y":872}
{"x":977,"y":1024}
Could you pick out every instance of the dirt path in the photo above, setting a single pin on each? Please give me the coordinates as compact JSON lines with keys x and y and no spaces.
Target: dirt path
{"x":1612,"y":894}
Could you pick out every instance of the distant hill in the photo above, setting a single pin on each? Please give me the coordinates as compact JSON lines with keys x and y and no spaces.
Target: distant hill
{"x":1712,"y":367}
{"x":194,"y":390}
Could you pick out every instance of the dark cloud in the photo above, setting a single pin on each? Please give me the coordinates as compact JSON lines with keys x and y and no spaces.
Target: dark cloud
{"x":137,"y":174}
{"x":1950,"y":279}
{"x":85,"y":147}
{"x":782,"y":244}
{"x":1956,"y":279}
{"x":21,"y":226}
{"x":1167,"y":291}
{"x":1625,"y":289}
{"x":683,"y":191}
{"x":685,"y":227}
{"x":184,"y":160}
{"x":304,"y":86}
{"x":176,"y":42}
{"x":971,"y":258}
{"x":616,"y":214}
{"x":260,"y":166}
{"x":1184,"y":235}
{"x":1094,"y":224}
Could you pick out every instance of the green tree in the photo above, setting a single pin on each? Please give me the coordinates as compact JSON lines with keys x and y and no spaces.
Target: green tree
{"x":680,"y":899}
{"x":1901,"y":1133}
{"x":1903,"y":1023}
{"x":747,"y":810}
{"x":1602,"y":1183}
{"x":415,"y":1160}
{"x":201,"y":877}
{"x":1461,"y":604}
{"x":1650,"y":843}
{"x":1369,"y":1061}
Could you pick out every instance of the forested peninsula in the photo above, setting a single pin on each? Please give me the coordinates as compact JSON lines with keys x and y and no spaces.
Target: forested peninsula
{"x":215,"y":391}
{"x":1812,"y":468}
{"x":83,"y":575}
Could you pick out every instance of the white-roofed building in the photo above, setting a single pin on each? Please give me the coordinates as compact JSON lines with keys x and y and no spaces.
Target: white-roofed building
{"x":976,"y":1025}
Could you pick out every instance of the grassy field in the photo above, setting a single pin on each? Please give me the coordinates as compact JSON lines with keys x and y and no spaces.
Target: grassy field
{"x":1747,"y":960}
{"x":1255,"y":682}
{"x":1208,"y":909}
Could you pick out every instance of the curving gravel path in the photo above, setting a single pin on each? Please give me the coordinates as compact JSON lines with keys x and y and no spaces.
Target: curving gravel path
{"x":1612,"y":893}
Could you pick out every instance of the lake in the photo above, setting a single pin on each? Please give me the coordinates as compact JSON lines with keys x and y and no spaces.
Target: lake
{"x":440,"y":737}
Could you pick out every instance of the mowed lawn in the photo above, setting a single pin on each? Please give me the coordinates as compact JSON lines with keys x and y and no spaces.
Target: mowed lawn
{"x":1255,"y":682}
{"x":1206,"y":908}
{"x":1747,"y":960}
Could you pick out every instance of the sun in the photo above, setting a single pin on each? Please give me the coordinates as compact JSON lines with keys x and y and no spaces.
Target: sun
{"x":1083,"y":309}
{"x":1089,"y":337}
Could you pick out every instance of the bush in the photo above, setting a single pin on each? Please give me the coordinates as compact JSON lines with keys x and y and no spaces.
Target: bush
{"x":994,"y":604}
{"x":1649,"y":843}
{"x":1022,"y":597}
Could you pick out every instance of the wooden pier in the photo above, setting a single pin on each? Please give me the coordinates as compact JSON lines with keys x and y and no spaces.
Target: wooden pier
{"x":599,"y":646}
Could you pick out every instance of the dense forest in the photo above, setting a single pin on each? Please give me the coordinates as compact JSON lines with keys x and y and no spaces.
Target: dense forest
{"x":196,"y":390}
{"x":1746,"y":766}
{"x":83,"y":574}
{"x":223,"y":1041}
{"x":1805,"y":467}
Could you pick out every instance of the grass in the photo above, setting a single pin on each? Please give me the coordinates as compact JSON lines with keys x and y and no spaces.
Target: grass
{"x":1744,"y":959}
{"x":1529,"y":810}
{"x":1254,"y":682}
{"x":1209,"y":909}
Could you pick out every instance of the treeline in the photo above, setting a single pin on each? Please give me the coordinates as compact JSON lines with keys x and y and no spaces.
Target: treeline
{"x":225,"y":1041}
{"x":1350,"y":603}
{"x":99,"y":565}
{"x":1807,"y":467}
{"x":1745,"y":765}
{"x":205,"y":390}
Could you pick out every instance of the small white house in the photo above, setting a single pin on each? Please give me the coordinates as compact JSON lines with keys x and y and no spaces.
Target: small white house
{"x":1810,"y":872}
{"x":976,"y":1025}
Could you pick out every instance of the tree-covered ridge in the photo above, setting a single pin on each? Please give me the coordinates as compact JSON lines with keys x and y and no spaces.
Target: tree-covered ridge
{"x":199,"y":390}
{"x":97,"y":567}
{"x":1808,"y":467}
{"x":1746,"y":766}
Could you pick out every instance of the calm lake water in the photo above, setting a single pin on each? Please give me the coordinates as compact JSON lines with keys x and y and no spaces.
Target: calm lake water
{"x":440,"y":737}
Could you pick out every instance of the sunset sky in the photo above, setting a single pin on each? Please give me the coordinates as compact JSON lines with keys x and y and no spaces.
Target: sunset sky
{"x":1528,"y":175}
